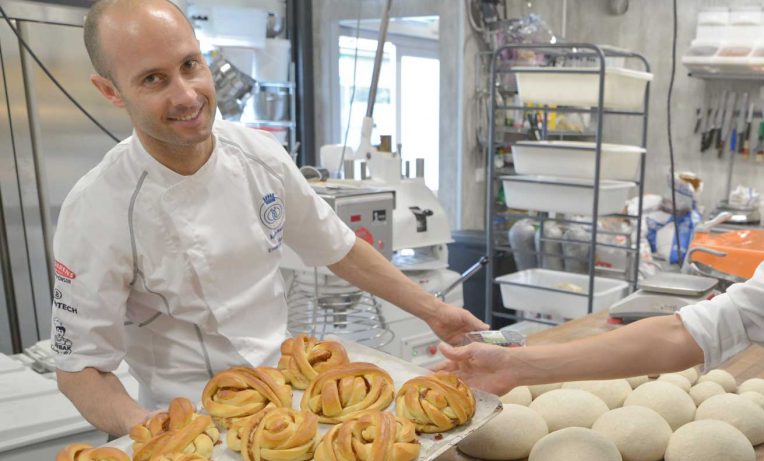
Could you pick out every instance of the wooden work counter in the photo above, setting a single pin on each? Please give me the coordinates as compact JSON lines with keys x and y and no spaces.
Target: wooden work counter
{"x":747,"y":364}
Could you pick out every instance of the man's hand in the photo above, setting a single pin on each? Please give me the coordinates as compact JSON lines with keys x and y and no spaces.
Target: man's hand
{"x":482,"y":366}
{"x":451,"y":323}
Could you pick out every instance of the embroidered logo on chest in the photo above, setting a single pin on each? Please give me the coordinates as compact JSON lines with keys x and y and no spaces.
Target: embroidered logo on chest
{"x":272,"y":217}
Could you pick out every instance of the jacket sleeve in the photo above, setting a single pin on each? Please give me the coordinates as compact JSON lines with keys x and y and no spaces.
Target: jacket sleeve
{"x":727,"y":324}
{"x":93,"y":273}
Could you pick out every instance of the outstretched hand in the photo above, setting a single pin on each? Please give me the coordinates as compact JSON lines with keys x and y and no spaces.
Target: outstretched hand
{"x":451,"y":324}
{"x":480,"y":365}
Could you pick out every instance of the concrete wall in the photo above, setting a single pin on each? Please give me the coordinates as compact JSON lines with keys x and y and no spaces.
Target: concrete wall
{"x":646,"y":29}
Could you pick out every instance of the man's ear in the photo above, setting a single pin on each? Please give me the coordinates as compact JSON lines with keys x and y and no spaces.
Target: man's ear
{"x":108,"y":90}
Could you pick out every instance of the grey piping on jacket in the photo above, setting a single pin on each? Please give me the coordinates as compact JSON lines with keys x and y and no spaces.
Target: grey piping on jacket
{"x":204,"y":351}
{"x":130,"y":224}
{"x":255,"y":159}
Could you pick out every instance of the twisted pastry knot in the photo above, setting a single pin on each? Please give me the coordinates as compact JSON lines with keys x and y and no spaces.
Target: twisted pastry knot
{"x":240,"y":392}
{"x":304,"y":357}
{"x":197,"y":437}
{"x":435,"y":403}
{"x":85,"y":452}
{"x":279,"y":434}
{"x":370,"y":436}
{"x":338,"y":394}
{"x":178,"y":415}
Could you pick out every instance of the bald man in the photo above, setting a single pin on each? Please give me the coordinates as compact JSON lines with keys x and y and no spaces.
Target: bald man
{"x":168,"y":252}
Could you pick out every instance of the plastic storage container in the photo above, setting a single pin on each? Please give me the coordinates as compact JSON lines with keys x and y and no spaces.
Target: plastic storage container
{"x":576,"y":159}
{"x":624,"y":88}
{"x":565,"y":195}
{"x":705,"y":48}
{"x":558,"y":293}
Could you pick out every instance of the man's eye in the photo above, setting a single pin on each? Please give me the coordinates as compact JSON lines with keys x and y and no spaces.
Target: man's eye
{"x":151,"y":79}
{"x":191,"y":64}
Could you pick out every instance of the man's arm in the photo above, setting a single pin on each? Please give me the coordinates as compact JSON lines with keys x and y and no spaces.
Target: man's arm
{"x":654,"y":345}
{"x":102,"y":400}
{"x":368,"y":270}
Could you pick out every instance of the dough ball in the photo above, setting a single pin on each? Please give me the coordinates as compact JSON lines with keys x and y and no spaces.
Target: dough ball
{"x":722,"y":377}
{"x":742,"y":413}
{"x":640,"y":433}
{"x":691,"y":374}
{"x":575,"y":444}
{"x":613,"y":391}
{"x":705,"y":390}
{"x":539,"y":389}
{"x":520,"y":395}
{"x":563,"y":408}
{"x":754,"y":397}
{"x":676,"y":379}
{"x":637,"y":381}
{"x":676,"y":407}
{"x":753,"y":384}
{"x":709,"y":440}
{"x":509,"y":435}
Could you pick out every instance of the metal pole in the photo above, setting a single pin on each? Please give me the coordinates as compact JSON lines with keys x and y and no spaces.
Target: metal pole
{"x":378,"y":58}
{"x":489,"y":199}
{"x":597,"y":171}
{"x":30,"y":95}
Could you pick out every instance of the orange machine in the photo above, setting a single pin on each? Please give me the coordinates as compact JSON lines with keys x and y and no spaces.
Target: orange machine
{"x":744,"y":251}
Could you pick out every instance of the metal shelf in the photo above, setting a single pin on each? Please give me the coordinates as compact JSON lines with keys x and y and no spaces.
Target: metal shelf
{"x":631,"y":270}
{"x":271,"y":123}
{"x":753,"y":76}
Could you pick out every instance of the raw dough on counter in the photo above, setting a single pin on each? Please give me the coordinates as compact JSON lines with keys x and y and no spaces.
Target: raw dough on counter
{"x":508,"y":436}
{"x":722,"y":377}
{"x":675,"y":405}
{"x":612,"y":391}
{"x":691,"y":374}
{"x":637,"y":381}
{"x":520,"y":395}
{"x":677,"y":379}
{"x":709,"y":440}
{"x":640,"y":433}
{"x":740,"y":412}
{"x":563,"y":408}
{"x":575,"y":444}
{"x":539,"y":389}
{"x":754,"y":397}
{"x":753,"y":384}
{"x":705,"y":390}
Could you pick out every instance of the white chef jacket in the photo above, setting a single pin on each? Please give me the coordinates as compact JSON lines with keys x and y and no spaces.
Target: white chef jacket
{"x":728,"y":323}
{"x":179,"y":275}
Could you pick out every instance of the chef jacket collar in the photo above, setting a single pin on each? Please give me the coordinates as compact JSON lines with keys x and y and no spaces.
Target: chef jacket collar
{"x":167,"y":176}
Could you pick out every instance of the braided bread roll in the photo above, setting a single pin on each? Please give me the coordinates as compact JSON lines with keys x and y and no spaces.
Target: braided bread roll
{"x":338,"y":394}
{"x":240,"y":392}
{"x":370,"y":436}
{"x":85,"y":452}
{"x":280,"y":434}
{"x":197,"y":437}
{"x":179,"y":414}
{"x":304,"y":357}
{"x":435,"y":403}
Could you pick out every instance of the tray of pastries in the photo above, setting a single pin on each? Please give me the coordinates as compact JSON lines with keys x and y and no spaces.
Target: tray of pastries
{"x":326,"y":400}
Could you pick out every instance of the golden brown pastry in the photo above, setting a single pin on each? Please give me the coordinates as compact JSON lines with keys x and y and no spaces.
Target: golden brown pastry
{"x":304,"y":357}
{"x":338,"y":394}
{"x":85,"y":452}
{"x":370,"y":436}
{"x":180,"y":457}
{"x":197,"y":437}
{"x":279,"y":434}
{"x":435,"y":403}
{"x":240,"y":392}
{"x":179,"y":414}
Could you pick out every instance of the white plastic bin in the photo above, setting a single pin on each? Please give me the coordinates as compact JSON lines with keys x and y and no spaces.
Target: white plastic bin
{"x":552,"y":292}
{"x":576,"y":159}
{"x":624,"y":88}
{"x":565,"y":195}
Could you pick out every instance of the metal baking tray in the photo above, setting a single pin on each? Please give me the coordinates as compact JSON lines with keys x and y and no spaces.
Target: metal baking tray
{"x":433,"y":445}
{"x":678,"y":284}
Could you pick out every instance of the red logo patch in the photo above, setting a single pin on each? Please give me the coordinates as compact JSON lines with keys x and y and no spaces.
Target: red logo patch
{"x":64,"y":271}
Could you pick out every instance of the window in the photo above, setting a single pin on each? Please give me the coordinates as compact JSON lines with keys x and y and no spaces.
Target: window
{"x":407,"y":103}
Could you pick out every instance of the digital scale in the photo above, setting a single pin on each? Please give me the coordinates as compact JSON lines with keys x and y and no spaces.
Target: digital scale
{"x":663,"y":294}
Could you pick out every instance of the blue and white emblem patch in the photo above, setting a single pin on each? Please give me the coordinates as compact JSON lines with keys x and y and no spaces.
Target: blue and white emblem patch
{"x":272,"y":211}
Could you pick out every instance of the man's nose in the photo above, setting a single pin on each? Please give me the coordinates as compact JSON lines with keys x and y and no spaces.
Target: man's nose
{"x":183,"y":92}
